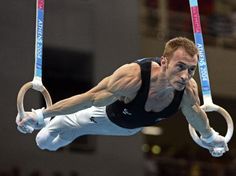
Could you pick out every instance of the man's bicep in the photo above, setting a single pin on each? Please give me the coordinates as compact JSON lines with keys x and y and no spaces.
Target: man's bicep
{"x":125,"y":81}
{"x":101,"y":94}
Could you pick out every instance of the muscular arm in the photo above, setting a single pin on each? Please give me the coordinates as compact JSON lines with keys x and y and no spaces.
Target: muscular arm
{"x":190,"y":106}
{"x":123,"y":82}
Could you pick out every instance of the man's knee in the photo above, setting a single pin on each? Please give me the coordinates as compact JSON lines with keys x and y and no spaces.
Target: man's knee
{"x":44,"y":141}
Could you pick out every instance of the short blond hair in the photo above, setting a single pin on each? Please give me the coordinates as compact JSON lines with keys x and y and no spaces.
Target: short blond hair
{"x":180,"y":42}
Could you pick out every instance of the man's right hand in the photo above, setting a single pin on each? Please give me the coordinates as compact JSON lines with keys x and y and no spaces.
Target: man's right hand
{"x":23,"y":128}
{"x":30,"y":121}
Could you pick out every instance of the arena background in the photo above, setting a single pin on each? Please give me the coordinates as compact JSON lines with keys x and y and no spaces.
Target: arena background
{"x":85,"y":40}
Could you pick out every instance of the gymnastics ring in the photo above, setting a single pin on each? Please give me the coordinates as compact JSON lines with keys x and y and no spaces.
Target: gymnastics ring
{"x":21,"y":95}
{"x":227,"y":117}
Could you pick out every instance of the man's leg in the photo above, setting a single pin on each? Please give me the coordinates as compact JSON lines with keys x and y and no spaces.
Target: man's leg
{"x":59,"y":132}
{"x":62,"y":130}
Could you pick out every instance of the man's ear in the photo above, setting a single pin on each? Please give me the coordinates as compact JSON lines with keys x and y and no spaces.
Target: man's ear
{"x":164,"y":61}
{"x":164,"y":64}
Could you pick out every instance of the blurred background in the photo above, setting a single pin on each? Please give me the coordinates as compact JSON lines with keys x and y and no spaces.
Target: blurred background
{"x":86,"y":40}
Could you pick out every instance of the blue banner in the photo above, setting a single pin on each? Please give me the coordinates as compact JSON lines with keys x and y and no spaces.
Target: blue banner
{"x":202,"y":65}
{"x":39,"y":43}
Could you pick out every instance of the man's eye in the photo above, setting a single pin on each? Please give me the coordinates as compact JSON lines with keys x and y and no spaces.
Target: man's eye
{"x":191,"y":70}
{"x":180,"y":67}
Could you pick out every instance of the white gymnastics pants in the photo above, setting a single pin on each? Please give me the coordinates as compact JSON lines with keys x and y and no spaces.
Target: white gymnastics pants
{"x":62,"y":130}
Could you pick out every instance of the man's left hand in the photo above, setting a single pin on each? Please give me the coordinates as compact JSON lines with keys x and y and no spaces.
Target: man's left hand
{"x":216,"y":144}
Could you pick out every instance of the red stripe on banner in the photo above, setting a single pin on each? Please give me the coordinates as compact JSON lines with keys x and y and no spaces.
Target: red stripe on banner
{"x":41,"y":4}
{"x":196,"y":19}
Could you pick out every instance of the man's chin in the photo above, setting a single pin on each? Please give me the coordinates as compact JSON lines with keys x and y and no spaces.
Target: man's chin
{"x":179,"y":87}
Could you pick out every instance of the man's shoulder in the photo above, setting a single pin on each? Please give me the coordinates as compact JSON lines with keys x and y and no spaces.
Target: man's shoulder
{"x":191,"y":85}
{"x":128,"y":67}
{"x":148,"y":59}
{"x":190,"y":96}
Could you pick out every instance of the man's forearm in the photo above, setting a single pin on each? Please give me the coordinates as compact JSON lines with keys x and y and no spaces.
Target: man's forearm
{"x":68,"y":106}
{"x":202,"y":122}
{"x":198,"y":119}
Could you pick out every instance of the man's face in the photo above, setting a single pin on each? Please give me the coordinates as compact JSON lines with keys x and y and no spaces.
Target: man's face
{"x":181,"y":68}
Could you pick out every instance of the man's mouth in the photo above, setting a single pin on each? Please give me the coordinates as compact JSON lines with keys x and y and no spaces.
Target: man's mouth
{"x":181,"y":83}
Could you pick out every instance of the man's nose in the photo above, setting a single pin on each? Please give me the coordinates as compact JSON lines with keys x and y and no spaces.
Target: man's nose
{"x":185,"y":76}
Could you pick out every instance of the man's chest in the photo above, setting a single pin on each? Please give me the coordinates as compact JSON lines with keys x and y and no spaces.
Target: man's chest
{"x":157,"y":103}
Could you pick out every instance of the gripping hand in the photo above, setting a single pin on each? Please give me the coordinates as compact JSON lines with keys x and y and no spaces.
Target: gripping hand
{"x":30,"y":121}
{"x":216,"y":144}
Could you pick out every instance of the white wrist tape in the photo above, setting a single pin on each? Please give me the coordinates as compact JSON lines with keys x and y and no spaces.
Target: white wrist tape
{"x":39,"y":113}
{"x":211,"y":138}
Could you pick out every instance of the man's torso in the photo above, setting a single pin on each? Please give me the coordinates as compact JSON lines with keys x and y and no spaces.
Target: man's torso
{"x":149,"y":105}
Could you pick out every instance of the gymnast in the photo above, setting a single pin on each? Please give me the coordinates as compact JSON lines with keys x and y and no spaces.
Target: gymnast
{"x":136,"y":95}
